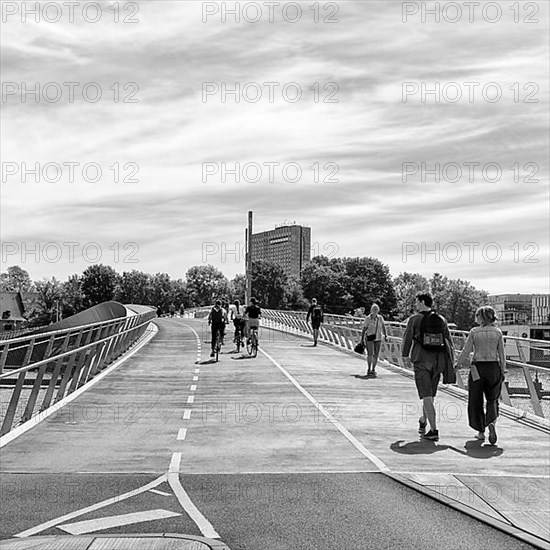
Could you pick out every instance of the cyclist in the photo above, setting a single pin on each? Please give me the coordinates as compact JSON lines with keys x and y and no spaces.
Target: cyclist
{"x":252,"y":314}
{"x":217,"y":318}
{"x":236,"y":315}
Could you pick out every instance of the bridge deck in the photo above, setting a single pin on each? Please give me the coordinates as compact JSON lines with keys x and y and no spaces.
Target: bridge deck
{"x":260,"y":460}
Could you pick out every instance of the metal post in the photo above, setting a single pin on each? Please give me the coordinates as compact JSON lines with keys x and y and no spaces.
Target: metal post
{"x":249,"y":259}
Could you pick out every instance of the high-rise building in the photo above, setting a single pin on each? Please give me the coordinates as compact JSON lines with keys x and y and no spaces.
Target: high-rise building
{"x":288,"y":246}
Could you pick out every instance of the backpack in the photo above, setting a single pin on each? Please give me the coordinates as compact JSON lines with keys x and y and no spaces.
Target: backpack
{"x":316,"y":314}
{"x":432,"y":331}
{"x":217,"y":316}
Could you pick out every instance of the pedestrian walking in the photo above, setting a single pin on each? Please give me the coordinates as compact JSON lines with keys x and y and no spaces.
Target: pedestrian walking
{"x":487,"y":370}
{"x":172,"y":309}
{"x":371,"y":337}
{"x":315,"y":312}
{"x":428,"y":340}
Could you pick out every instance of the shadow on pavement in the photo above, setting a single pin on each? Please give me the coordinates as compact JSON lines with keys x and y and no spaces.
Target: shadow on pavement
{"x":424,"y":446}
{"x":476,"y":449}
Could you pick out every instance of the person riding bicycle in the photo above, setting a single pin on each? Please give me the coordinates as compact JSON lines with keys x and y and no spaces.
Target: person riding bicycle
{"x":237,"y":316}
{"x":217,"y":318}
{"x":252,"y":314}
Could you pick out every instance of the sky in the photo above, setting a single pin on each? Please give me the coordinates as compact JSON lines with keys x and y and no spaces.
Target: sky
{"x":355,"y":157}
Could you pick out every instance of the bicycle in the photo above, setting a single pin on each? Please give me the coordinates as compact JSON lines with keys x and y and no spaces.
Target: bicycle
{"x":252,"y":342}
{"x":238,"y":339}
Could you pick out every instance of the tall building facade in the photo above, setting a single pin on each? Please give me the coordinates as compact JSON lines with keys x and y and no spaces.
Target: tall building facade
{"x":288,"y":246}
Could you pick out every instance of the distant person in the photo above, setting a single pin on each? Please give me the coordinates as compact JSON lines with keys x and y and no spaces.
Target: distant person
{"x":431,"y":355}
{"x":317,"y":317}
{"x":217,"y":319}
{"x":373,"y":329}
{"x":182,"y":310}
{"x":172,"y":310}
{"x":486,"y":372}
{"x":159,"y":311}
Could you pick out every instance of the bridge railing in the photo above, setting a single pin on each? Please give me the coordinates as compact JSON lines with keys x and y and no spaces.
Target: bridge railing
{"x":37,"y":371}
{"x":527,"y":388}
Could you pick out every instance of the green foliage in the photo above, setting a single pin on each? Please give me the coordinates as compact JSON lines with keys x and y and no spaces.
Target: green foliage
{"x":99,"y":283}
{"x":407,"y":286}
{"x":205,"y":284}
{"x":16,"y":279}
{"x":269,"y":282}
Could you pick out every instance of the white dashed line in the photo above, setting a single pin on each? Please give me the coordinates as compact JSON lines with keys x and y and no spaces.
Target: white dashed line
{"x":193,"y":387}
{"x":187,"y":414}
{"x":182,"y":434}
{"x":191,"y":399}
{"x":195,"y":378}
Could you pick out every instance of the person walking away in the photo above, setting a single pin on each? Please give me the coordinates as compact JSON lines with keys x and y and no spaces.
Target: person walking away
{"x":486,"y":372}
{"x":317,"y":317}
{"x":172,"y":310}
{"x":159,"y":311}
{"x":428,"y":340}
{"x":371,"y":337}
{"x":217,"y":319}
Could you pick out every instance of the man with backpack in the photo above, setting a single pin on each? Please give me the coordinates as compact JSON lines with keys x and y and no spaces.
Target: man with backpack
{"x":317,"y":317}
{"x":217,"y":318}
{"x":428,"y":335}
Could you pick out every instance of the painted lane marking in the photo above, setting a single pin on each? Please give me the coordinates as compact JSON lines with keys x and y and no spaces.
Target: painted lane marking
{"x":193,"y":387}
{"x":92,"y":508}
{"x":197,"y":371}
{"x":187,"y":414}
{"x":195,"y":378}
{"x":91,"y":525}
{"x":159,"y":492}
{"x":194,"y":513}
{"x":191,"y":399}
{"x":353,"y":440}
{"x":182,"y":433}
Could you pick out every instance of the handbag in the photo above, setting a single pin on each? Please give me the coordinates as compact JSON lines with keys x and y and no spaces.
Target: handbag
{"x":359,"y":348}
{"x":371,"y":337}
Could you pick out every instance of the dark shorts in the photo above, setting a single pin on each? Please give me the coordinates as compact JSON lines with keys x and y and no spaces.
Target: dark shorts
{"x":373,"y":347}
{"x":315,"y":324}
{"x":426,"y":378}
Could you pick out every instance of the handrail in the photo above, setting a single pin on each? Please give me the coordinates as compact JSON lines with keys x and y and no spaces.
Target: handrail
{"x":67,"y":360}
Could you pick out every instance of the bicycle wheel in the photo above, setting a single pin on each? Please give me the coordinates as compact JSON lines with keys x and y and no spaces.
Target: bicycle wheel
{"x":238,"y":340}
{"x":252,"y":344}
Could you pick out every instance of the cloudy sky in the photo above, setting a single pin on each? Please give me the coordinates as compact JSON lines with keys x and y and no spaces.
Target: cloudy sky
{"x":362,"y":134}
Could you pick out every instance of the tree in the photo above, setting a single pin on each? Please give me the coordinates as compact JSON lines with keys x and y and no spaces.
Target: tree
{"x":407,"y":286}
{"x":294,"y":295}
{"x":269,"y":282}
{"x":205,"y":283}
{"x":48,"y":306}
{"x":135,"y":287}
{"x":161,"y":290}
{"x":72,"y":297}
{"x":16,"y":279}
{"x":98,"y":284}
{"x":456,"y":300}
{"x":322,"y":279}
{"x":237,"y":288}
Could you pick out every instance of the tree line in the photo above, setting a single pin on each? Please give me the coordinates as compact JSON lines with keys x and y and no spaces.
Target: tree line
{"x":341,"y":285}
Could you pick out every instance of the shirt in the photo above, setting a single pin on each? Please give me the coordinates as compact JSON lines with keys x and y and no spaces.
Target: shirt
{"x":375,"y":326}
{"x":253,"y":312}
{"x":487,"y":343}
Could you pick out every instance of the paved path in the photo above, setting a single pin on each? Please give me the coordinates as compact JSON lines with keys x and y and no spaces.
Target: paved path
{"x":241,"y":450}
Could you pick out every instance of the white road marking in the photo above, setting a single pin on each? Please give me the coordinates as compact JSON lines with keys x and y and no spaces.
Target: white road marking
{"x":194,"y":513}
{"x":193,"y":387}
{"x":91,"y":525}
{"x":92,"y":508}
{"x":159,"y":492}
{"x":195,"y":378}
{"x":191,"y":399}
{"x":182,"y":433}
{"x":353,"y":440}
{"x":187,"y":414}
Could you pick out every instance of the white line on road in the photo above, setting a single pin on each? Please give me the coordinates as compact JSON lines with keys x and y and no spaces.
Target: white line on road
{"x":194,"y":513}
{"x":159,"y":492}
{"x":187,"y":414}
{"x":191,"y":399}
{"x":197,"y":371}
{"x":193,"y":387}
{"x":91,"y":525}
{"x":353,"y":440}
{"x":93,"y":507}
{"x":182,"y":433}
{"x":195,"y":378}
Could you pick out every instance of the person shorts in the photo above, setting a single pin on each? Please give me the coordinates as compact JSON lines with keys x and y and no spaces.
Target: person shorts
{"x":253,"y":323}
{"x":426,"y":378}
{"x":315,"y":325}
{"x":373,"y":347}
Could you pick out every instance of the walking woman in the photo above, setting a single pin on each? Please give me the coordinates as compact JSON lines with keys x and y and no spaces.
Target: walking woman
{"x":373,"y":328}
{"x":486,"y":372}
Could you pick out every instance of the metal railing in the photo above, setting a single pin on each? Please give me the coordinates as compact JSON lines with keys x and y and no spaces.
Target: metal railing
{"x":526,"y":389}
{"x":49,"y":366}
